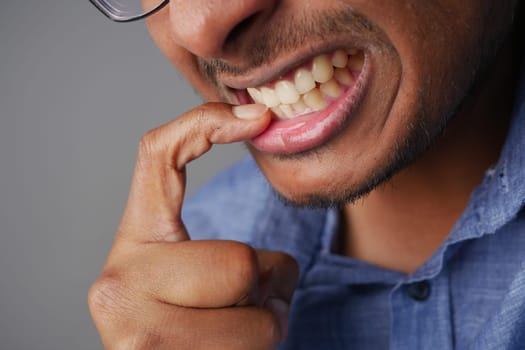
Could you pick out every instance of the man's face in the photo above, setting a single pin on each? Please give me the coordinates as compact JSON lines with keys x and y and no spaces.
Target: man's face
{"x":386,"y":77}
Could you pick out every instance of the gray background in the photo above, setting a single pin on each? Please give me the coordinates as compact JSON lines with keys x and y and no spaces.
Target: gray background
{"x":76,"y":93}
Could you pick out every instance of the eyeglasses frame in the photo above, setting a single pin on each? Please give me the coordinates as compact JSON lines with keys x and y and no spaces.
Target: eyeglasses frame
{"x":117,"y":18}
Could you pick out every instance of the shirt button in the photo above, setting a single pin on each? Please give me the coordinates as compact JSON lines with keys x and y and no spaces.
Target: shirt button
{"x":419,"y":291}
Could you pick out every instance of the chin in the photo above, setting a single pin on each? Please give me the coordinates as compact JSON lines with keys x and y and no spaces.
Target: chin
{"x":333,"y":175}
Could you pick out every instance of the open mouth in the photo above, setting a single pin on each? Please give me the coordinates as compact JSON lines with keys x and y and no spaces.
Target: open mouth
{"x":311,"y":87}
{"x":310,"y":102}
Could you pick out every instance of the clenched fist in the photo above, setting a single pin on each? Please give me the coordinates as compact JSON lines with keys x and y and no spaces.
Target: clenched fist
{"x":159,"y":289}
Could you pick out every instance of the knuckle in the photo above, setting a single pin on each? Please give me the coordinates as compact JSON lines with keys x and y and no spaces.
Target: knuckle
{"x":116,"y":311}
{"x":105,"y":296}
{"x":148,"y":144}
{"x":195,"y":126}
{"x":205,"y":121}
{"x":200,"y":116}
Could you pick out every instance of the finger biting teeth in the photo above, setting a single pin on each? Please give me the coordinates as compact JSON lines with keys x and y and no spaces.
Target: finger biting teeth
{"x":311,"y":87}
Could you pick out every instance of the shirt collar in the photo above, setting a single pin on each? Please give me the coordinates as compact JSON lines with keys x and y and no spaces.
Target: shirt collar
{"x":497,"y":200}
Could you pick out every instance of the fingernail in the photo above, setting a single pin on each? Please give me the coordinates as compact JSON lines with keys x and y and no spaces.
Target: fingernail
{"x":251,"y":111}
{"x":279,"y":308}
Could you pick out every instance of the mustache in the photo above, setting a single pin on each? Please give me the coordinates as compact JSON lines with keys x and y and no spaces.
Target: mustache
{"x":288,"y":35}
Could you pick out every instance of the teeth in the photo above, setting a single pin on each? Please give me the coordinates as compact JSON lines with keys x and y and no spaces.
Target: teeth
{"x":286,"y":92}
{"x":322,"y":69}
{"x":287,"y":110}
{"x":270,"y":97}
{"x":331,"y":88}
{"x":311,"y":89}
{"x":343,"y":76}
{"x":339,"y":59}
{"x":355,"y":62}
{"x":299,"y":106}
{"x":304,"y":80}
{"x":314,"y":99}
{"x":278,"y":112}
{"x":256,"y":95}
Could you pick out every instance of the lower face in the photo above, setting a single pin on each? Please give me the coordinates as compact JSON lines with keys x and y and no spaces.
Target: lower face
{"x":365,"y":89}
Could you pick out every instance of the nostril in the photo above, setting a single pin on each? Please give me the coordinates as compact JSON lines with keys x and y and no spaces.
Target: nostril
{"x":240,"y":28}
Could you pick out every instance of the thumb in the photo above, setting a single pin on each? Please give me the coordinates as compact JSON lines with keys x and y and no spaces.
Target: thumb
{"x":278,"y":278}
{"x":153,"y":212}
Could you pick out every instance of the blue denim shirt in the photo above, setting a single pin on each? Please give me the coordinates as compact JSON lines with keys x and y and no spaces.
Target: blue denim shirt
{"x":469,"y":295}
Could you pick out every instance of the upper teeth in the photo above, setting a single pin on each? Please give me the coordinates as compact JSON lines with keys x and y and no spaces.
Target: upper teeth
{"x":311,"y":89}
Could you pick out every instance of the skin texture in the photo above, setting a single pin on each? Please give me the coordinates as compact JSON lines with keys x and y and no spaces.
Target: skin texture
{"x":443,"y":75}
{"x":416,"y":51}
{"x":159,"y":289}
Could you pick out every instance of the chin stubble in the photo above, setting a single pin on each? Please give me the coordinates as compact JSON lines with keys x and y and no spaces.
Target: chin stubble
{"x":403,"y":154}
{"x":420,"y":133}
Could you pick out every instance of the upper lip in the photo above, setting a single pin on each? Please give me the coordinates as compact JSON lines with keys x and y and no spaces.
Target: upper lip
{"x":281,"y":65}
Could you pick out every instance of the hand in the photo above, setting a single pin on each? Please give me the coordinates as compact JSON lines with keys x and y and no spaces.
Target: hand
{"x":159,"y":289}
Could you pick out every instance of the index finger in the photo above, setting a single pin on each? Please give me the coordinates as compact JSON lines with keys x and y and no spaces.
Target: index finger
{"x":153,"y":211}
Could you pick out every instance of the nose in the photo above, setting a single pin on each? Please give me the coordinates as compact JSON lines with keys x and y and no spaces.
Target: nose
{"x":210,"y":28}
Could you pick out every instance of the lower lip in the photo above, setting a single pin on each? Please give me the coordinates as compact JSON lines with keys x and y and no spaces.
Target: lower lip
{"x":314,"y":129}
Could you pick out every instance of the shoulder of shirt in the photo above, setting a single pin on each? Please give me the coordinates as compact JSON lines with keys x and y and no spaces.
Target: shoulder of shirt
{"x":228,"y":205}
